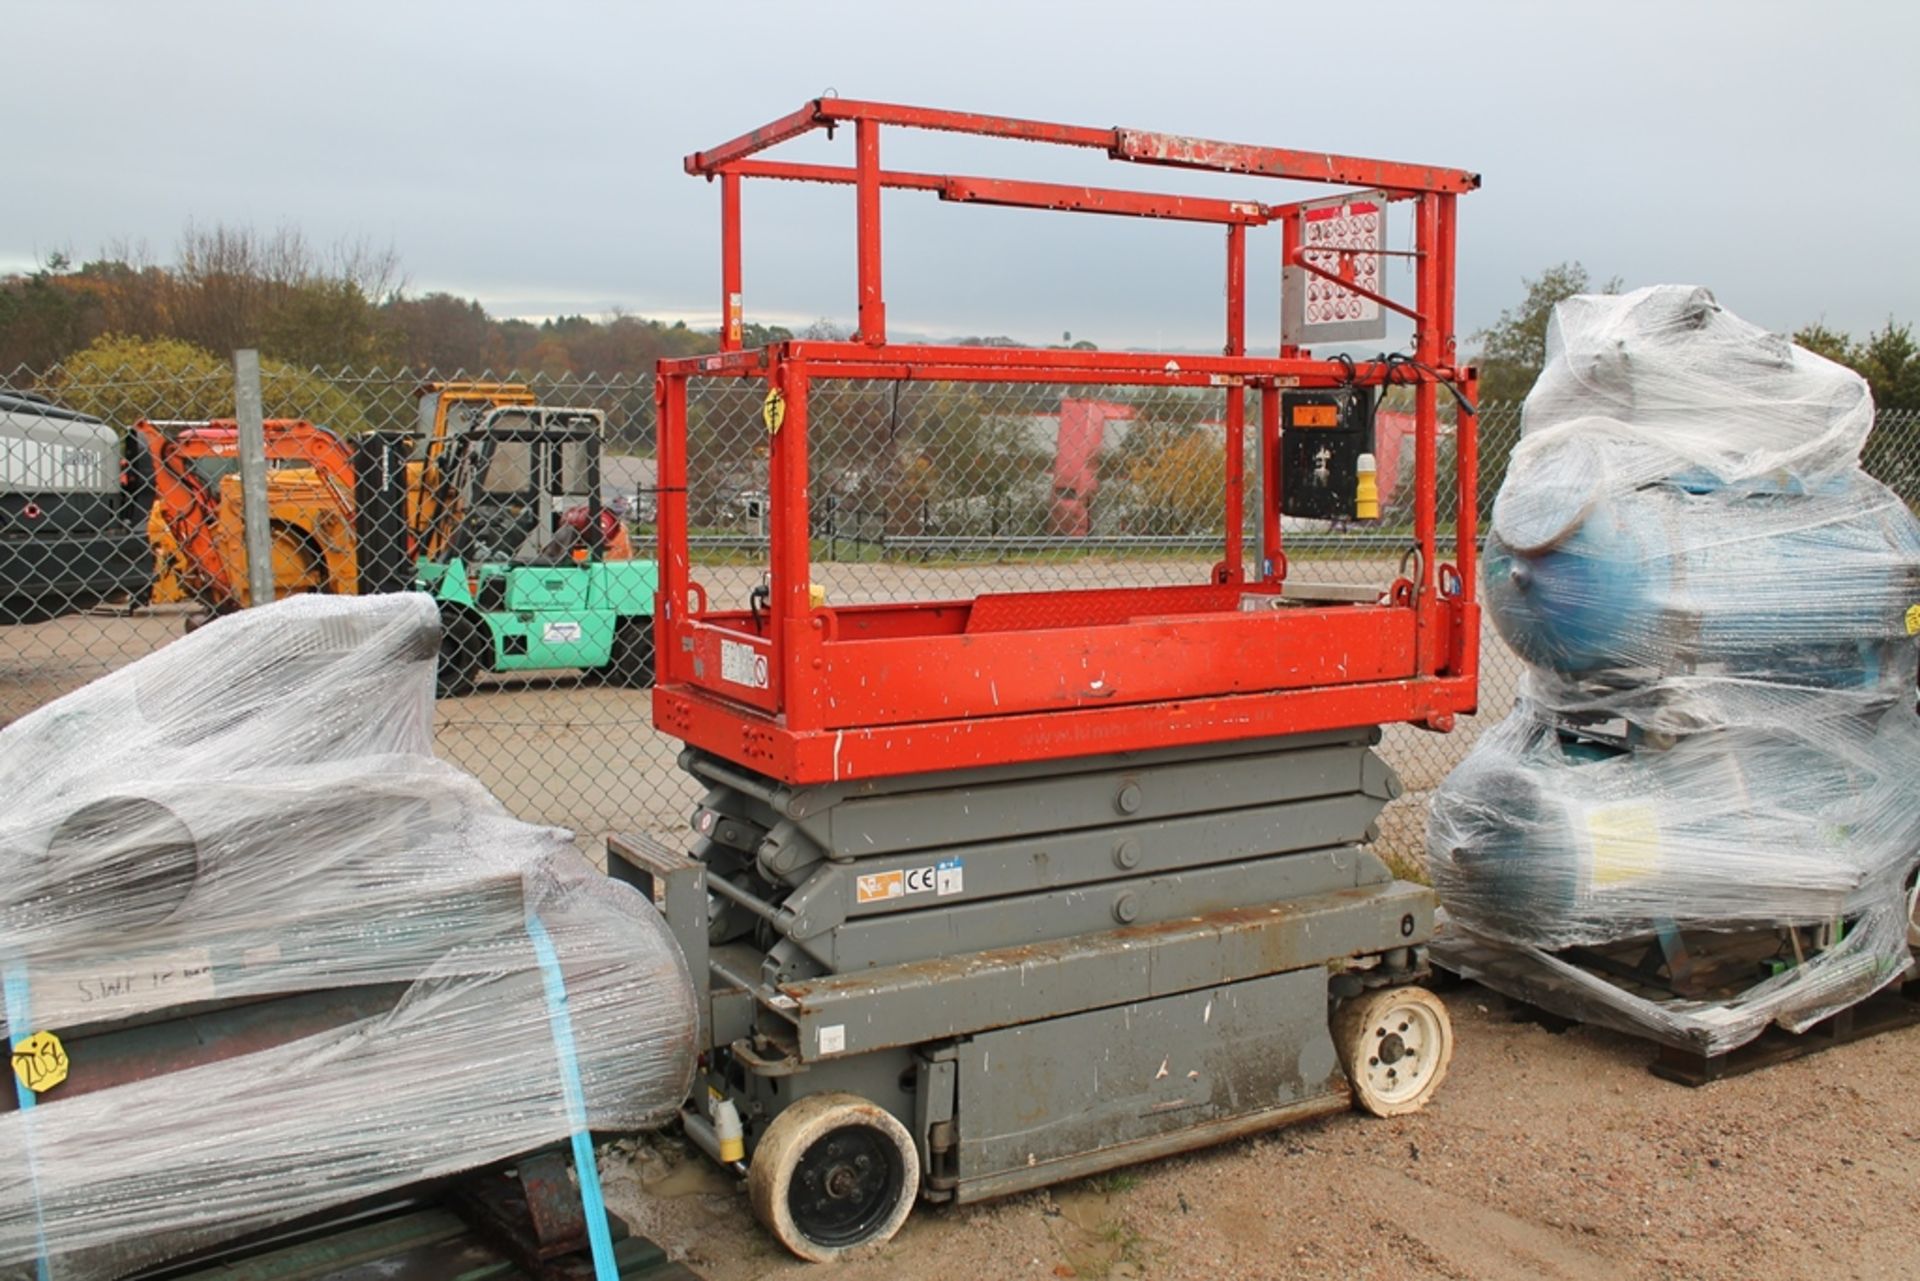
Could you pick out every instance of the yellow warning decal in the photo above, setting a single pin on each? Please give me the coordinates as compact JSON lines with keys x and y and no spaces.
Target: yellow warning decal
{"x":773,"y":411}
{"x":40,"y":1061}
{"x":1913,"y":619}
{"x":877,"y":887}
{"x":1626,"y":843}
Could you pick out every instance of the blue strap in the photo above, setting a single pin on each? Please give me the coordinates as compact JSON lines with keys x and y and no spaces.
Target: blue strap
{"x":561,"y":1024}
{"x":19,"y":1028}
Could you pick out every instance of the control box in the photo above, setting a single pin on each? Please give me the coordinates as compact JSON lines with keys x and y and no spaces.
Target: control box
{"x":1322,"y":437}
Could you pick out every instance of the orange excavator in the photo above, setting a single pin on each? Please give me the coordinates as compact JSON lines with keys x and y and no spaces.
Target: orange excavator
{"x":196,"y":527}
{"x":196,"y":523}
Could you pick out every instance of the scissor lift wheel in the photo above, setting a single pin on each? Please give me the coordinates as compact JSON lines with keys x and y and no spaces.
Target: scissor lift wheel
{"x":833,"y":1173}
{"x":1395,"y":1045}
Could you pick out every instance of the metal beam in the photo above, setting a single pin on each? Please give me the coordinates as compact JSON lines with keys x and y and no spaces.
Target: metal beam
{"x":963,"y":189}
{"x":1144,"y":147}
{"x":964,"y":122}
{"x":971,"y":992}
{"x":769,"y":135}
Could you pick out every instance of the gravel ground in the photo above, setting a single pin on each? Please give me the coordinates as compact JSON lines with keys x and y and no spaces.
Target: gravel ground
{"x":1543,"y":1156}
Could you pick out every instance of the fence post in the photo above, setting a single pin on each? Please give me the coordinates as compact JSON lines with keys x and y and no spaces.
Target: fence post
{"x":249,"y":414}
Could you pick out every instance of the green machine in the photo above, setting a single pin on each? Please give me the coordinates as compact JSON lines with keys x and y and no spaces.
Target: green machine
{"x":538,"y":576}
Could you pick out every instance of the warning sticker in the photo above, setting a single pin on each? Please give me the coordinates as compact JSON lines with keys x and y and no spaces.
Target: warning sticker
{"x":950,"y":877}
{"x":743,"y":665}
{"x":1913,"y":619}
{"x":877,"y":887}
{"x":40,"y":1061}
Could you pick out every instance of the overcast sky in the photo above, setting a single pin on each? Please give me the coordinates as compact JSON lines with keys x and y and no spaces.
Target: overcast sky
{"x":529,"y":155}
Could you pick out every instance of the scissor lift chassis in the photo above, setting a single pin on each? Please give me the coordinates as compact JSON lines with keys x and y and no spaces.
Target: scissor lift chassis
{"x":1085,"y":964}
{"x":1005,"y":888}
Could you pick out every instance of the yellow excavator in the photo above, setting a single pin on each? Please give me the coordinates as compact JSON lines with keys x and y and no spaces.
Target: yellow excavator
{"x":196,"y":525}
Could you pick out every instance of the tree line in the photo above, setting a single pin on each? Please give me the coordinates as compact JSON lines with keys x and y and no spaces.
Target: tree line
{"x":1512,"y":351}
{"x":121,"y":337}
{"x":346,"y":307}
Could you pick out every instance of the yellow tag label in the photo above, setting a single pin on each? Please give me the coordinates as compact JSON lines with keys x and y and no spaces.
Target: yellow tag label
{"x":1626,"y":844}
{"x":773,"y":411}
{"x":878,"y":887}
{"x":1913,"y":619}
{"x":40,"y":1062}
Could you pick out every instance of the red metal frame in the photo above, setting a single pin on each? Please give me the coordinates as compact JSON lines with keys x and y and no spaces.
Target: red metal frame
{"x":815,"y":693}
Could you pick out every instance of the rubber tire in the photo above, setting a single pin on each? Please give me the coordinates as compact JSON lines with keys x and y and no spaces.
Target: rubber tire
{"x":1365,"y":1020}
{"x":787,"y":1140}
{"x":462,"y":656}
{"x":630,"y":665}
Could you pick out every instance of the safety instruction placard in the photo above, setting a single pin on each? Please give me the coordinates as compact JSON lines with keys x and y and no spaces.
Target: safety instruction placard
{"x":743,"y":665}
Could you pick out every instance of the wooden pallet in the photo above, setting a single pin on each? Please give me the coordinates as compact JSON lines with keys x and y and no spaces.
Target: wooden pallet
{"x":1532,"y":998}
{"x":1885,"y":1011}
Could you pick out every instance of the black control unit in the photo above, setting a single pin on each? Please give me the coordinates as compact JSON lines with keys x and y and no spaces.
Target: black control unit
{"x":1322,"y":435}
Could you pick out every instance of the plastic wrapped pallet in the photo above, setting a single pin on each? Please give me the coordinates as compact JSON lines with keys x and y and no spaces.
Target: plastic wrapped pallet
{"x":1716,"y":731}
{"x":291,"y":958}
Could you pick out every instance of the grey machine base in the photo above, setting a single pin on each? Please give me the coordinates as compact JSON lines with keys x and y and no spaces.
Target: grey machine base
{"x":1042,"y":971}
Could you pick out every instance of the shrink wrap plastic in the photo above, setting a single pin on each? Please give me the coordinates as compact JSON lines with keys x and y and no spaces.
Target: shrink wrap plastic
{"x":1716,"y":730}
{"x":291,"y":956}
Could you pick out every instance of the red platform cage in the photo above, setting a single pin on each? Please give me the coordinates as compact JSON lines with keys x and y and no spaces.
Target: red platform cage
{"x":809,"y":690}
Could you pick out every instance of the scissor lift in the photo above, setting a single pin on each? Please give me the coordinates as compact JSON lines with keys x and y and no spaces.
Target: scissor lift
{"x":988,"y":893}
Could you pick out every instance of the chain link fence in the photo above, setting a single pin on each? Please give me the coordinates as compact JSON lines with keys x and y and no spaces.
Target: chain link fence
{"x":121,"y":501}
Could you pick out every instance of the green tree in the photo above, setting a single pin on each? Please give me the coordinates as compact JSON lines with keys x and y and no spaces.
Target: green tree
{"x":1513,"y":349}
{"x":443,"y":334}
{"x":1889,"y":360}
{"x":1823,"y":341}
{"x":123,"y":379}
{"x":329,"y":324}
{"x":42,"y":317}
{"x":1179,"y":481}
{"x":980,"y":463}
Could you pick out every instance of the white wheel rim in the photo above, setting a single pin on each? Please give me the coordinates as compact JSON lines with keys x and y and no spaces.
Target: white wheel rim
{"x":1400,"y":1050}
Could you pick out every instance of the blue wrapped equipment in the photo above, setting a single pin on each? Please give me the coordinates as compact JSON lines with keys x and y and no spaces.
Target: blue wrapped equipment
{"x":1715,"y":748}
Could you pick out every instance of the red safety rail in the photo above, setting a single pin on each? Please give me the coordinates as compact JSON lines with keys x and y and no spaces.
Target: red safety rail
{"x":812,"y":692}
